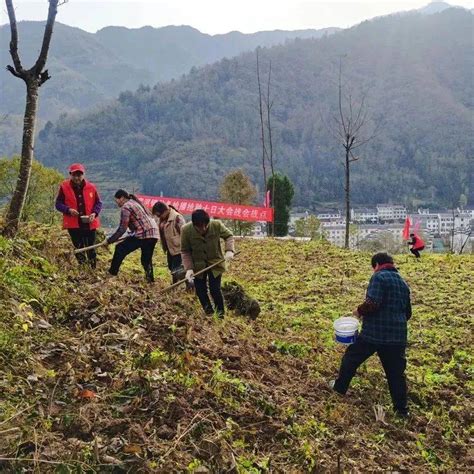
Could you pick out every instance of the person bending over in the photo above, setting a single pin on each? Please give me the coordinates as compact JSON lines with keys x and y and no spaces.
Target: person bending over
{"x":200,"y":248}
{"x":144,"y":233}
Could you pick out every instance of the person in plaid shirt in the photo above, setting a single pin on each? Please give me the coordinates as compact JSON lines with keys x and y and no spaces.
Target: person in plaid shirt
{"x":384,"y":313}
{"x":144,"y":233}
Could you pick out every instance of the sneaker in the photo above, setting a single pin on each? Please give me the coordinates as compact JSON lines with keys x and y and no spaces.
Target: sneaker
{"x":331,"y":384}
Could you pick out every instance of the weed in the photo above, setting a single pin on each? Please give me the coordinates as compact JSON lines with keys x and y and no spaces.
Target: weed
{"x":295,"y":349}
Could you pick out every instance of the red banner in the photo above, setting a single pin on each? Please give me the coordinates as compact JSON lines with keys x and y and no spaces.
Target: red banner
{"x":221,"y":210}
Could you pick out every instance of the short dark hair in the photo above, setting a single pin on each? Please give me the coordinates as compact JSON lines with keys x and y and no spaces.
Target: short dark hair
{"x":412,"y":235}
{"x":200,"y":217}
{"x":121,"y":193}
{"x":381,"y":258}
{"x":159,"y":207}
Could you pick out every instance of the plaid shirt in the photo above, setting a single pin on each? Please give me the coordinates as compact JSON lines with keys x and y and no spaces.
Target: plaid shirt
{"x":388,"y":295}
{"x":135,"y":217}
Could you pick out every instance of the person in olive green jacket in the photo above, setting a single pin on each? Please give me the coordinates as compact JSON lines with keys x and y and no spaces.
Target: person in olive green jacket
{"x":200,"y":248}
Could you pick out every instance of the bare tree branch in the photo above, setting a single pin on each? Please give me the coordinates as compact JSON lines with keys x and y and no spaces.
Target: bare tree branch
{"x":48,"y":33}
{"x":262,"y":128}
{"x":269,"y":126}
{"x":341,"y":114}
{"x":14,"y":40}
{"x":13,"y":71}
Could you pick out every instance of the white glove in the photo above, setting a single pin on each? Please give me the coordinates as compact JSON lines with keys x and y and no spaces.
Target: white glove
{"x":190,"y":276}
{"x":229,"y":255}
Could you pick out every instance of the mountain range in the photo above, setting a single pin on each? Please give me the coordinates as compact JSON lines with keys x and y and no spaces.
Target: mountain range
{"x":183,"y":136}
{"x":89,"y":69}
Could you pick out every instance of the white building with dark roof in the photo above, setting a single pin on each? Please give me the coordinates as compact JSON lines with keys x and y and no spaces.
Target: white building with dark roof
{"x":391,"y":212}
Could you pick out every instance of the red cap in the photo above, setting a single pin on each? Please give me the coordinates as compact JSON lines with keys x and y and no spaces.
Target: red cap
{"x":77,"y":167}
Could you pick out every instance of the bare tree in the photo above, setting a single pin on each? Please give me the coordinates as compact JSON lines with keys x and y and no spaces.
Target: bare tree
{"x":262,"y":127}
{"x":351,"y":123}
{"x":266,"y":131}
{"x":33,"y":78}
{"x":269,"y":105}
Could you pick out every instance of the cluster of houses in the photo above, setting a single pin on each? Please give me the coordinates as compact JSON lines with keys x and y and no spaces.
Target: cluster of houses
{"x":442,"y":229}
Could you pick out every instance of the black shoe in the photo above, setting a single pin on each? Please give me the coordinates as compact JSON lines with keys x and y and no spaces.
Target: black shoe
{"x":403,"y":414}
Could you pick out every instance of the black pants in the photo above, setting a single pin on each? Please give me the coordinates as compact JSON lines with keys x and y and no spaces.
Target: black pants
{"x":175,"y":266}
{"x":215,"y":290}
{"x":129,"y":245}
{"x":84,"y":238}
{"x":416,"y":252}
{"x":393,"y":362}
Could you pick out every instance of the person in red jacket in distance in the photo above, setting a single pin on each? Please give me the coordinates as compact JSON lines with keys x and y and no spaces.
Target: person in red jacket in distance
{"x":80,"y":204}
{"x":417,"y":245}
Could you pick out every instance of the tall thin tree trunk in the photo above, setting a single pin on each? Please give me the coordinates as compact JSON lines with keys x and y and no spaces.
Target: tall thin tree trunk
{"x":33,"y":78}
{"x":262,"y":129}
{"x":270,"y":141}
{"x":348,"y":198}
{"x":19,"y":196}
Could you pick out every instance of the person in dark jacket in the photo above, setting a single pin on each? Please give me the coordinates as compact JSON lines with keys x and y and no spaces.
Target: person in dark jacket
{"x":200,"y":248}
{"x":417,"y":245}
{"x":144,"y":233}
{"x":80,"y":204}
{"x":384,"y":313}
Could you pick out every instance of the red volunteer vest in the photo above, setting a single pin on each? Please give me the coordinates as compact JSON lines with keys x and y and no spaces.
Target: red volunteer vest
{"x":89,"y":193}
{"x":418,"y":243}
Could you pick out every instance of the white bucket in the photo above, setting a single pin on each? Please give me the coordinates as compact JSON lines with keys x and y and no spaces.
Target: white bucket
{"x":346,"y":329}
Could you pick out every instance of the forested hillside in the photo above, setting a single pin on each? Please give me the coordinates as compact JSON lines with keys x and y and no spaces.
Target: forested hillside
{"x":89,"y":69}
{"x":183,"y":137}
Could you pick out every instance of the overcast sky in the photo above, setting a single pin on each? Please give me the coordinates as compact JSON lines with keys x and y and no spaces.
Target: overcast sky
{"x":217,"y":16}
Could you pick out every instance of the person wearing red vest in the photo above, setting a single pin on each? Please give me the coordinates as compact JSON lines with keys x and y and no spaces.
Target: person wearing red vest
{"x":417,"y":245}
{"x":80,"y":205}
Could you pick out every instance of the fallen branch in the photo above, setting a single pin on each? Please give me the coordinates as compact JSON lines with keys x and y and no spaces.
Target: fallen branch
{"x":10,"y":430}
{"x":44,"y":461}
{"x":17,"y":414}
{"x":190,"y":427}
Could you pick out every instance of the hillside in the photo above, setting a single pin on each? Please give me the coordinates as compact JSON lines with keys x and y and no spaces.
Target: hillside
{"x":89,"y":69}
{"x":109,"y":376}
{"x":415,"y":70}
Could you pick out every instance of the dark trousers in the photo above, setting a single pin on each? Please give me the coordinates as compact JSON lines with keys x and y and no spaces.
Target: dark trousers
{"x":84,"y":238}
{"x":215,"y":290}
{"x":129,"y":245}
{"x":393,"y":362}
{"x":175,"y":266}
{"x":416,"y":253}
